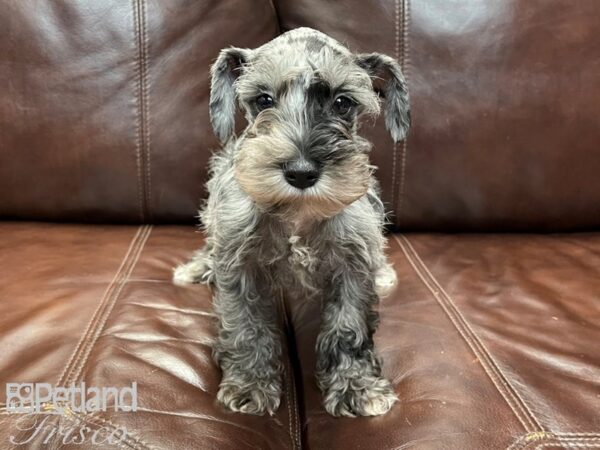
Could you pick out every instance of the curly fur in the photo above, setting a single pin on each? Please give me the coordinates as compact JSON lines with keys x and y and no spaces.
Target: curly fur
{"x":324,"y":243}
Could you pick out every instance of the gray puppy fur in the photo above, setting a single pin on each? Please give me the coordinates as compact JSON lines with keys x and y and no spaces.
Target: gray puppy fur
{"x":293,"y":206}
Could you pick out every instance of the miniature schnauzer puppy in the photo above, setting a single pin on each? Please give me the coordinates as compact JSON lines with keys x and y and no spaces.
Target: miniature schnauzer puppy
{"x":294,"y":210}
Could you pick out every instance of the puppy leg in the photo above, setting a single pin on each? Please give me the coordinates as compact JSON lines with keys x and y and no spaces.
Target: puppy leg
{"x":248,"y":348}
{"x":348,"y":371}
{"x":196,"y":270}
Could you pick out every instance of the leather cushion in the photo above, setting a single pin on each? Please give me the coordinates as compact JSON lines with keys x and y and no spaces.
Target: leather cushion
{"x":96,"y":304}
{"x":490,"y":341}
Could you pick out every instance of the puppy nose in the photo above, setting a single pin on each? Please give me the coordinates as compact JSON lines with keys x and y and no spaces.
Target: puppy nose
{"x":301,"y":174}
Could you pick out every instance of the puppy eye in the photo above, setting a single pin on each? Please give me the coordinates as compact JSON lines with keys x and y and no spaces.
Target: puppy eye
{"x":264,"y":101}
{"x":342,"y":105}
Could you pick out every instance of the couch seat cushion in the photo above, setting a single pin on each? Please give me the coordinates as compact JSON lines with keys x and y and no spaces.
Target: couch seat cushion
{"x":492,"y":342}
{"x":96,"y":304}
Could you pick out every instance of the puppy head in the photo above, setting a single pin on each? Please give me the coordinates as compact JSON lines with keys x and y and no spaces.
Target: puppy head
{"x":303,"y":95}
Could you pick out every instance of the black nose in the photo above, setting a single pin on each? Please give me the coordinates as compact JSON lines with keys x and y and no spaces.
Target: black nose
{"x":301,"y":174}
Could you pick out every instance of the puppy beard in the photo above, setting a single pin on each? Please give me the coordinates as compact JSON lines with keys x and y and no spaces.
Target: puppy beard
{"x":258,"y":171}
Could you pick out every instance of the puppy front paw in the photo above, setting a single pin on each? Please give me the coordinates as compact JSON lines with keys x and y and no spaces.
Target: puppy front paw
{"x":257,"y":397}
{"x":385,"y":280}
{"x":367,"y":396}
{"x":191,"y":273}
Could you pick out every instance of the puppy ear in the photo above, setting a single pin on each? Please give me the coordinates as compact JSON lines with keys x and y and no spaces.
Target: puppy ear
{"x":224,"y":72}
{"x":389,"y":82}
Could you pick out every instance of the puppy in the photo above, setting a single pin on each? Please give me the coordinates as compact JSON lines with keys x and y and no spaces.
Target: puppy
{"x":293,"y":207}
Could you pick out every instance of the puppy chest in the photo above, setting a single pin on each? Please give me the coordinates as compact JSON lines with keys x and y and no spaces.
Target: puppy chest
{"x":297,"y":265}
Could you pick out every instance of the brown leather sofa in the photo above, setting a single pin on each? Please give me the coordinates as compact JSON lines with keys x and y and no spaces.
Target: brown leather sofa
{"x":492,"y":337}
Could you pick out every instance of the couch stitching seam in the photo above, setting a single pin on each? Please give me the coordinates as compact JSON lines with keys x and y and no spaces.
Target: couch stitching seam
{"x":550,"y":438}
{"x":289,"y":404}
{"x":138,"y":121}
{"x":292,"y":418}
{"x":142,"y":128}
{"x":70,"y":376}
{"x":294,"y":399}
{"x":103,"y":311}
{"x":85,"y":336}
{"x":567,"y":442}
{"x":115,"y":297}
{"x":291,"y":386}
{"x":146,"y":107}
{"x":405,"y":64}
{"x":486,"y":352}
{"x":515,"y":402}
{"x":471,"y":337}
{"x":568,"y":445}
{"x":397,"y":57}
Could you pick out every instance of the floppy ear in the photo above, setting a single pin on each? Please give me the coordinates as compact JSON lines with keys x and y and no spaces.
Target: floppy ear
{"x":224,"y":72}
{"x":389,"y":82}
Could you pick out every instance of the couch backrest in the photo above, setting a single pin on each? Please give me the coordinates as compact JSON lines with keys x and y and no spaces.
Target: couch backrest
{"x":103,"y":106}
{"x":505,"y":102}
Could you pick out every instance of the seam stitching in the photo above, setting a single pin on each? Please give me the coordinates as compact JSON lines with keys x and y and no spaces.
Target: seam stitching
{"x":405,"y":64}
{"x":550,"y":438}
{"x":294,"y":399}
{"x":66,"y":373}
{"x":472,"y":337}
{"x":291,"y":386}
{"x":289,"y":403}
{"x":146,"y":108}
{"x":111,"y":303}
{"x":486,"y":352}
{"x":84,"y":355}
{"x":568,"y":445}
{"x":142,"y":97}
{"x":397,"y":56}
{"x":138,"y":122}
{"x":292,"y":413}
{"x":70,"y":378}
{"x":515,"y":402}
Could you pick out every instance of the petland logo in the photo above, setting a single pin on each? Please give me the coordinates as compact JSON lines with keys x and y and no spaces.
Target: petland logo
{"x":36,"y":403}
{"x":28,"y":398}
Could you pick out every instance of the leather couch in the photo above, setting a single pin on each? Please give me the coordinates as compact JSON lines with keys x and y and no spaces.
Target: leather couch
{"x":492,"y":337}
